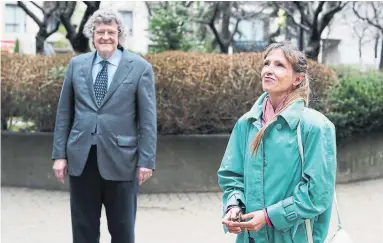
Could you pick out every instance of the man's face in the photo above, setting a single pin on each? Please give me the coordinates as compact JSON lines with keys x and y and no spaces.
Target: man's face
{"x":106,"y":38}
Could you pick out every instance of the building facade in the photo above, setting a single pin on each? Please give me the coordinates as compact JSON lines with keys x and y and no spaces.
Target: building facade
{"x":349,"y":41}
{"x":17,"y":25}
{"x":346,"y":40}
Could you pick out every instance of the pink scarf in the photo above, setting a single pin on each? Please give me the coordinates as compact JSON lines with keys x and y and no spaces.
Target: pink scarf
{"x":268,"y":111}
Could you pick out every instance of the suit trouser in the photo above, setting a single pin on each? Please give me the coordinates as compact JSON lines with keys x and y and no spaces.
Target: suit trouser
{"x":88,"y":192}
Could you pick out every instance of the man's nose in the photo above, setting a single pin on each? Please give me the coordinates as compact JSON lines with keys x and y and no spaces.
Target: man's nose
{"x":106,"y":35}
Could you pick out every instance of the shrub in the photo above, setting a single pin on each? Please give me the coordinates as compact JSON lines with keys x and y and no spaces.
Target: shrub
{"x":356,"y":104}
{"x":196,"y":93}
{"x":207,"y":93}
{"x":32,"y":88}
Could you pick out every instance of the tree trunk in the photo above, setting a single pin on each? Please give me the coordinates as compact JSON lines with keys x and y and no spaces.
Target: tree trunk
{"x":313,"y":47}
{"x":360,"y":45}
{"x":360,"y":48}
{"x":39,"y":45}
{"x":41,"y":36}
{"x":4,"y":125}
{"x":301,"y":36}
{"x":225,"y":49}
{"x":381,"y":56}
{"x":80,"y":43}
{"x":225,"y":31}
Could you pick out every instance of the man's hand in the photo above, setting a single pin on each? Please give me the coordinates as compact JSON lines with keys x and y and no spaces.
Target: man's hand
{"x":257,"y":221}
{"x":229,"y":218}
{"x":144,"y":174}
{"x":60,"y":167}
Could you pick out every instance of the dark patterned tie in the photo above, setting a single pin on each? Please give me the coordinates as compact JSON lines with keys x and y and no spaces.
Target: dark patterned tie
{"x":101,"y":83}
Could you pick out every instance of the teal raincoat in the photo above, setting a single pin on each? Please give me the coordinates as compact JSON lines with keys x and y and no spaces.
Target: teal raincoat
{"x":272,"y":177}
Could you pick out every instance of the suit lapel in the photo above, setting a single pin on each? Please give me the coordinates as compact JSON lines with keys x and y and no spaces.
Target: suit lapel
{"x":122,"y":71}
{"x":87,"y":72}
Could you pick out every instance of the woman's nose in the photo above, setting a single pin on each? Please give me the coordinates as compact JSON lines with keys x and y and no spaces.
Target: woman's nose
{"x":268,"y":70}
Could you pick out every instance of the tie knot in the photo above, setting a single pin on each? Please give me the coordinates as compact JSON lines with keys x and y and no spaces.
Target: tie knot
{"x":103,"y":63}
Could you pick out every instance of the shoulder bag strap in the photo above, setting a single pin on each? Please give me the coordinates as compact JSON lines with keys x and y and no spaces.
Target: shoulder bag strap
{"x":307,"y":221}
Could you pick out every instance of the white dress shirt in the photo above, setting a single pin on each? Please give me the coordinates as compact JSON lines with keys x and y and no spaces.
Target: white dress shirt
{"x":114,"y":60}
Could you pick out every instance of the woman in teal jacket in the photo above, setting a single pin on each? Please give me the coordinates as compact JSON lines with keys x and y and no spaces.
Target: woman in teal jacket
{"x":261,"y":174}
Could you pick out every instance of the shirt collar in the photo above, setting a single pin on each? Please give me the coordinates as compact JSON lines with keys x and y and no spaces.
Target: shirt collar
{"x":291,"y":114}
{"x":114,"y":59}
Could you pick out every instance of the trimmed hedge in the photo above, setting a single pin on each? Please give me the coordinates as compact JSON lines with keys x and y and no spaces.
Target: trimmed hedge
{"x":31,"y":87}
{"x":356,"y":103}
{"x":207,"y":93}
{"x":196,"y":93}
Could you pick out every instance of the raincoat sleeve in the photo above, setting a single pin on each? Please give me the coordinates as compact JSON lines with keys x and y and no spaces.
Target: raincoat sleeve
{"x":230,"y":173}
{"x":314,"y":193}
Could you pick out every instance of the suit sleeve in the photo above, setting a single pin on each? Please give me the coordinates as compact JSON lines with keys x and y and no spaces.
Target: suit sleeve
{"x":64,"y":116}
{"x":230,"y":173}
{"x":314,"y":193}
{"x":147,"y":118}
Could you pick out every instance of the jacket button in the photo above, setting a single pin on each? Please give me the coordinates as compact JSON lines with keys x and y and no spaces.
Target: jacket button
{"x":279,"y":126}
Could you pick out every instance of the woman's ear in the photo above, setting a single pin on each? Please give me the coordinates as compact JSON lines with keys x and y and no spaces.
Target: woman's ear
{"x":298,"y":80}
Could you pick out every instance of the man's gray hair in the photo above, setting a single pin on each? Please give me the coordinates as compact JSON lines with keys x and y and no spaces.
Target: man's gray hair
{"x":105,"y":16}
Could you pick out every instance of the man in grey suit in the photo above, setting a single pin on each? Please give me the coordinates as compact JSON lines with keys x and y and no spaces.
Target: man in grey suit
{"x":106,"y":132}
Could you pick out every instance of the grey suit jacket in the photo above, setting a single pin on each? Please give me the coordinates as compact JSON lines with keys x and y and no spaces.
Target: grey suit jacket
{"x":124,"y":126}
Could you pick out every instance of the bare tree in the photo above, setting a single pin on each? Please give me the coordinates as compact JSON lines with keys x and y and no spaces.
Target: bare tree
{"x":223,"y":18}
{"x":48,"y":25}
{"x":372,"y":13}
{"x":77,"y":39}
{"x":314,"y":18}
{"x":361,"y":30}
{"x":150,"y":5}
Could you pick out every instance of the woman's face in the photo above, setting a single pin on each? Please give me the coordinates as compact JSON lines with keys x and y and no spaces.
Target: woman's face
{"x":278,"y":76}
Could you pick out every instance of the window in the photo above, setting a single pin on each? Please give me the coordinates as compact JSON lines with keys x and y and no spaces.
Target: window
{"x":15,"y":19}
{"x":252,"y":30}
{"x":127,"y":17}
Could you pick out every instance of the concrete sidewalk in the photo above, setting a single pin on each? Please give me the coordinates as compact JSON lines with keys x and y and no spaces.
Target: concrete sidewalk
{"x":36,"y":216}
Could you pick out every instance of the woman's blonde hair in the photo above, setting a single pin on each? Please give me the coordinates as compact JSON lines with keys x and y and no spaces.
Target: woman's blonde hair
{"x":299,"y":63}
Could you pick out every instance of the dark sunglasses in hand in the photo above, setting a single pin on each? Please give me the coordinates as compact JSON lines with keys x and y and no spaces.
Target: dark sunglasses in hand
{"x":238,"y":218}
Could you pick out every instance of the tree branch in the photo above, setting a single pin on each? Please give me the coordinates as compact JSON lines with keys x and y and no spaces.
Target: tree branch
{"x":234,"y":32}
{"x":188,"y":4}
{"x":67,"y":8}
{"x":149,"y":8}
{"x":212,"y":26}
{"x":275,"y":34}
{"x":88,"y":12}
{"x":54,"y":29}
{"x":42,"y":10}
{"x":366,"y":19}
{"x":200,"y":21}
{"x":303,"y":14}
{"x":316,"y":14}
{"x":70,"y":29}
{"x":90,"y":3}
{"x":289,"y":13}
{"x":327,"y":17}
{"x":27,"y":11}
{"x":374,"y":8}
{"x":244,"y":16}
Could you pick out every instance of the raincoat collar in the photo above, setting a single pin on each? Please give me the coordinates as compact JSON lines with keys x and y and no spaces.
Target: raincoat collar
{"x":291,"y":114}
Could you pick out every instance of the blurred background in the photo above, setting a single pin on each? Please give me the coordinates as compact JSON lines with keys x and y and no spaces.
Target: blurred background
{"x":207,"y":58}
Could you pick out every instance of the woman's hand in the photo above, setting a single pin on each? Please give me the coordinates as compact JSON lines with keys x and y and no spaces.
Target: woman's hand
{"x":230,"y":217}
{"x":257,"y":221}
